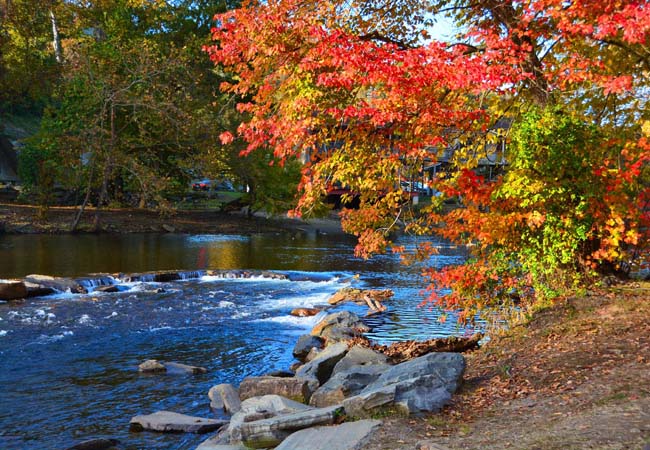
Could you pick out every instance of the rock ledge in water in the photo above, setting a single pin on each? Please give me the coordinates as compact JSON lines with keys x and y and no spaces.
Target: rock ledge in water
{"x":171,"y":422}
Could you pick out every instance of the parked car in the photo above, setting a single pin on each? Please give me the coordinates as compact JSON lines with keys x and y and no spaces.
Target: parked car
{"x":202,"y":185}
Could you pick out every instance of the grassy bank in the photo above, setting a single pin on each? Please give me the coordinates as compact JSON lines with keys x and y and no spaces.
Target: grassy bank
{"x":577,"y":376}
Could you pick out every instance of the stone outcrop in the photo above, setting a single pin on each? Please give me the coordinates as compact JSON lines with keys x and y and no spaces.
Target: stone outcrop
{"x":304,"y":344}
{"x":298,"y":388}
{"x":359,"y":356}
{"x":56,"y":283}
{"x":347,"y":436}
{"x":270,"y":432}
{"x":12,"y":290}
{"x":224,"y":397}
{"x":320,"y":368}
{"x":37,"y":290}
{"x":171,"y":422}
{"x":346,"y":384}
{"x":422,"y":384}
{"x":339,"y":326}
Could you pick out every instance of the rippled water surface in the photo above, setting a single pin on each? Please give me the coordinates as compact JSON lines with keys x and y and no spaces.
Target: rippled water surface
{"x":68,"y":363}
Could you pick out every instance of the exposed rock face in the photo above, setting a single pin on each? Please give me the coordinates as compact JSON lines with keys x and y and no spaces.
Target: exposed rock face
{"x":167,"y":421}
{"x":299,"y":388}
{"x":270,"y":432}
{"x":422,"y":384}
{"x":12,"y":290}
{"x":346,"y":384}
{"x":152,"y":366}
{"x":257,"y":408}
{"x":321,"y":367}
{"x":36,"y":290}
{"x":224,"y":397}
{"x":58,"y":284}
{"x":339,"y":326}
{"x":347,"y":436}
{"x":304,"y":312}
{"x":305,"y":343}
{"x":357,"y":295}
{"x":211,"y":445}
{"x":359,"y":356}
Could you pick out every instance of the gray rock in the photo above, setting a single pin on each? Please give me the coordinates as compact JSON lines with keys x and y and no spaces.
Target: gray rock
{"x":167,"y":421}
{"x":152,"y":366}
{"x":339,"y":326}
{"x":359,"y":356}
{"x":224,"y":397}
{"x":257,"y":408}
{"x":298,"y":388}
{"x":58,"y":284}
{"x":210,"y":445}
{"x":12,"y":290}
{"x":36,"y":290}
{"x":426,"y":445}
{"x":346,"y":384}
{"x":313,"y":353}
{"x":422,"y":384}
{"x":270,"y":432}
{"x":173,"y":367}
{"x":347,"y":436}
{"x":304,"y":344}
{"x":321,"y":367}
{"x":110,"y":288}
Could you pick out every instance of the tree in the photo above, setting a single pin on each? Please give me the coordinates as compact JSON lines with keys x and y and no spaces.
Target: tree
{"x":367,"y":99}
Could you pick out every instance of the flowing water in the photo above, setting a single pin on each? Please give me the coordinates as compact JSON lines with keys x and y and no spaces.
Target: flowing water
{"x":68,"y":363}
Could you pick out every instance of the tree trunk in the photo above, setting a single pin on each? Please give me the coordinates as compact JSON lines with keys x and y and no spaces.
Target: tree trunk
{"x":56,"y":39}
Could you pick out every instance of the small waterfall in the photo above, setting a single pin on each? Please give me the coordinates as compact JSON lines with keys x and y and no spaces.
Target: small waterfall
{"x":93,"y":281}
{"x":191,"y":274}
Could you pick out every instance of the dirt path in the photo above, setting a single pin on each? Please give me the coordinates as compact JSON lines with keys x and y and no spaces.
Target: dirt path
{"x":577,"y":377}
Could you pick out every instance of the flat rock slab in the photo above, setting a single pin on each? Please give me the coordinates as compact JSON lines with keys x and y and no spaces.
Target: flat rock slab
{"x":207,"y":445}
{"x":347,"y":436}
{"x":171,"y":422}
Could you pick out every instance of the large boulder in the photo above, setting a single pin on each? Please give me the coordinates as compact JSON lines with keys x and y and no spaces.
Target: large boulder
{"x":422,"y":384}
{"x":257,"y":408}
{"x":346,"y":384}
{"x":340,"y":326}
{"x":359,"y":356}
{"x":347,"y":436}
{"x":304,"y":344}
{"x":321,"y":367}
{"x":224,"y":397}
{"x":58,"y":284}
{"x":270,"y":432}
{"x":12,"y":289}
{"x":298,"y":388}
{"x":171,"y":422}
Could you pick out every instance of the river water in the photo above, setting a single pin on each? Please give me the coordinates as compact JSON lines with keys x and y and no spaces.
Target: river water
{"x":68,"y":363}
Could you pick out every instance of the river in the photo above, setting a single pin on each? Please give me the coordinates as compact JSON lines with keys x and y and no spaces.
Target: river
{"x":68,"y":363}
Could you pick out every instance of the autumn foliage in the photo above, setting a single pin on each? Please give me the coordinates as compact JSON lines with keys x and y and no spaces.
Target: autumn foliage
{"x":365,"y":97}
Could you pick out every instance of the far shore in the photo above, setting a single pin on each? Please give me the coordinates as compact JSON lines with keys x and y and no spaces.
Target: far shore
{"x":27,"y":219}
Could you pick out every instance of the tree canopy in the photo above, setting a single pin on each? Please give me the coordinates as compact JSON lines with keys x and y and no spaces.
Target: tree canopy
{"x":362,"y":91}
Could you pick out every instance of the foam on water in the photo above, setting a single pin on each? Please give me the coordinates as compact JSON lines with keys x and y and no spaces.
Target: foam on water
{"x":300,"y":322}
{"x":3,"y":333}
{"x":296,"y":301}
{"x":85,"y":320}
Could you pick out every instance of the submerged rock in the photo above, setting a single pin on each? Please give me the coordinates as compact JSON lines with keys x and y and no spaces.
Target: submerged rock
{"x":347,"y":436}
{"x":97,"y":444}
{"x":152,"y":366}
{"x":171,"y":422}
